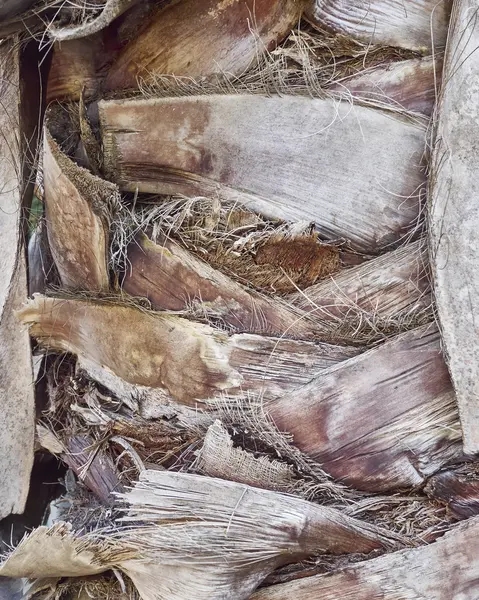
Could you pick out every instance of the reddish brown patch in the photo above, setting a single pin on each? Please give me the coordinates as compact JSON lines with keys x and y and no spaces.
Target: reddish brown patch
{"x":303,"y":258}
{"x":459,"y":493}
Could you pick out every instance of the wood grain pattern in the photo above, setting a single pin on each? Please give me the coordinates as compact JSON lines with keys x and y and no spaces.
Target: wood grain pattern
{"x":454,"y":215}
{"x":448,"y":569}
{"x":382,"y":420}
{"x":353,"y":171}
{"x":418,"y":25}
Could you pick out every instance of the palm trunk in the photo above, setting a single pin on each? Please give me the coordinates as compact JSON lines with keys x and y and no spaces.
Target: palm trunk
{"x":231,"y":298}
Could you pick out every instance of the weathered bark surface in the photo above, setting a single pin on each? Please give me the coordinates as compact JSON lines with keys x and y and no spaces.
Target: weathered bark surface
{"x":459,"y":492}
{"x":393,"y":285}
{"x":111,"y":10}
{"x":214,"y":37}
{"x":320,"y":168}
{"x":185,"y":358}
{"x":454,"y":215}
{"x":174,"y":279}
{"x":188,"y":360}
{"x":275,"y":366}
{"x":16,"y":377}
{"x":384,"y":419}
{"x":445,"y":570}
{"x":93,"y":467}
{"x":419,"y":25}
{"x":12,"y":8}
{"x":405,"y":85}
{"x":206,"y":518}
{"x":77,"y":205}
{"x":79,"y":66}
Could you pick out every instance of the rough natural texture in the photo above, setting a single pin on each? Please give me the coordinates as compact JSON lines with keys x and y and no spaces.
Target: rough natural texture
{"x":110,"y":11}
{"x":255,"y":150}
{"x":445,"y":570}
{"x":214,"y":37}
{"x":460,"y":491}
{"x":394,"y":287}
{"x":16,"y":388}
{"x":178,"y":529}
{"x":382,"y":420}
{"x":454,"y":215}
{"x":410,"y":85}
{"x":77,"y":206}
{"x":218,"y":457}
{"x":419,"y":25}
{"x":188,"y":361}
{"x":174,"y":279}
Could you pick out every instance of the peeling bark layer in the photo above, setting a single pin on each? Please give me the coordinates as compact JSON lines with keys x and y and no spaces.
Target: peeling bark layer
{"x":445,"y":570}
{"x":419,"y":25}
{"x":382,"y":420}
{"x":454,"y":215}
{"x":330,"y":166}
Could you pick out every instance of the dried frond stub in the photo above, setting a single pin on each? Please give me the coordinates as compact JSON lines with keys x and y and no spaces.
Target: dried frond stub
{"x":178,"y":529}
{"x":279,"y":166}
{"x":187,"y":359}
{"x":174,"y":279}
{"x":419,"y":25}
{"x":458,"y":489}
{"x":445,"y":569}
{"x":184,"y":360}
{"x":410,"y":85}
{"x":398,"y":396}
{"x":454,"y":216}
{"x":77,"y":206}
{"x":110,"y":10}
{"x":214,"y":38}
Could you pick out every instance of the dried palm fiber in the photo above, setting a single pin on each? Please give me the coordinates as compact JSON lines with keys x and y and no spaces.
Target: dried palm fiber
{"x":304,"y":63}
{"x":187,"y":360}
{"x":172,"y":278}
{"x":18,"y":122}
{"x":419,"y":25}
{"x":271,"y":256}
{"x":218,"y":457}
{"x":410,"y":85}
{"x":389,"y":292}
{"x":110,"y":10}
{"x":77,"y":206}
{"x":399,"y":398}
{"x":458,"y":489}
{"x":90,"y":463}
{"x":444,"y":570}
{"x":187,"y":536}
{"x":215,"y":37}
{"x":256,"y":151}
{"x":454,"y":214}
